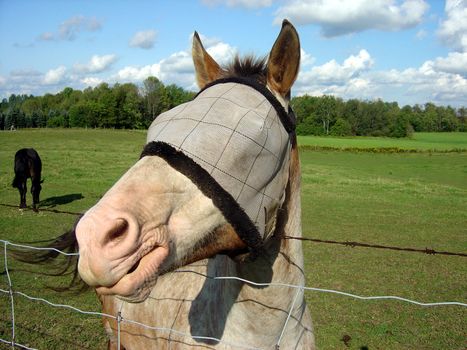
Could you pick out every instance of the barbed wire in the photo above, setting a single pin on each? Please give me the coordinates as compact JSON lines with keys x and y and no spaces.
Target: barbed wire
{"x":121,"y":319}
{"x":352,"y":244}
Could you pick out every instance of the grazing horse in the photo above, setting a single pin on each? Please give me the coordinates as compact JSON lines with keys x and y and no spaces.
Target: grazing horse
{"x":207,"y":207}
{"x":28,"y":164}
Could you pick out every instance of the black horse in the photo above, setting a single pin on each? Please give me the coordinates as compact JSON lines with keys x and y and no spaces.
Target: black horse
{"x":28,"y":164}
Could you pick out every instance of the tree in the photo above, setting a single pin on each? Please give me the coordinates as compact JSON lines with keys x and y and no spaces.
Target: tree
{"x":341,"y":128}
{"x":128,"y":107}
{"x":78,"y":115}
{"x":177,"y":95}
{"x":401,"y":126}
{"x":106,"y":98}
{"x":305,"y":108}
{"x":429,"y":117}
{"x":327,"y":112}
{"x":155,"y":98}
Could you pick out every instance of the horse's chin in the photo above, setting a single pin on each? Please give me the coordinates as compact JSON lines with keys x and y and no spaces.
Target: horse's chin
{"x":137,"y":284}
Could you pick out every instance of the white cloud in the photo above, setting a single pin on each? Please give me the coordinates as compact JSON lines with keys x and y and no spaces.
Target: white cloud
{"x":424,"y":84}
{"x":345,"y":80}
{"x":55,"y":76}
{"x":97,"y":64}
{"x":47,"y":36}
{"x":332,"y":72}
{"x":135,"y":74}
{"x":455,"y":62}
{"x":222,"y":52}
{"x":442,"y":80}
{"x":219,"y":50}
{"x":178,"y":67}
{"x":144,"y":39}
{"x":421,"y":34}
{"x":91,"y":81}
{"x":340,"y":17}
{"x":306,"y":59}
{"x":453,"y":30}
{"x":72,"y":26}
{"x":239,"y":3}
{"x":69,"y":29}
{"x":436,"y":81}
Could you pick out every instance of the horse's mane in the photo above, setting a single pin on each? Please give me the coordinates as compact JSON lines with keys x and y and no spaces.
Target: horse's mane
{"x":67,"y":243}
{"x":247,"y":67}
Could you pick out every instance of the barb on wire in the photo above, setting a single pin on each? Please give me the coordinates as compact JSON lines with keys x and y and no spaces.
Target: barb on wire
{"x":377,"y":246}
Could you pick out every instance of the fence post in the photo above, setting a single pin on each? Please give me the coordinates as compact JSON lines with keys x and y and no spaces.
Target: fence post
{"x":12,"y":301}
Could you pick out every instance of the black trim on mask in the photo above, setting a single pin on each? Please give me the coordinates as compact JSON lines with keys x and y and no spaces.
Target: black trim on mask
{"x":287,"y":118}
{"x":229,"y":207}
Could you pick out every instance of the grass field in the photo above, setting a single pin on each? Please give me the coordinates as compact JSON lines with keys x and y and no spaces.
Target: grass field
{"x":436,"y":142}
{"x":414,"y":200}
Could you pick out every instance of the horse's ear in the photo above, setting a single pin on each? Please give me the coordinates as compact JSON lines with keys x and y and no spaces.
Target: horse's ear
{"x":206,"y":69}
{"x":284,"y":60}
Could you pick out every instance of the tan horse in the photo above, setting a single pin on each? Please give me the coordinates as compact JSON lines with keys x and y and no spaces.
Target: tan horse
{"x":157,"y":242}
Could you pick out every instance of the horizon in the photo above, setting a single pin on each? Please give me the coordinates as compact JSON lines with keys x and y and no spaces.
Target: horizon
{"x":410,"y":52}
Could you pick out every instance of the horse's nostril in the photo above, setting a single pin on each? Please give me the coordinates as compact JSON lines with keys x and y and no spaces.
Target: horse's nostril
{"x":118,"y":232}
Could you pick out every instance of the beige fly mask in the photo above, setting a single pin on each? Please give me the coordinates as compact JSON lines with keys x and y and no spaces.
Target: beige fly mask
{"x":233,"y":141}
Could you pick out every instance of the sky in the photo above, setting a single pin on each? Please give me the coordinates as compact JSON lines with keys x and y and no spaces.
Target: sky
{"x":408,"y":51}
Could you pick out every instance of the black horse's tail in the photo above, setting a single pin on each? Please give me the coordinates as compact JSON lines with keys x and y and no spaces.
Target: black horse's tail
{"x":48,"y":253}
{"x":16,"y":182}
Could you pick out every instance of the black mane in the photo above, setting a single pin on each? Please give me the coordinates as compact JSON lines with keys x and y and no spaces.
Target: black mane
{"x":247,"y":67}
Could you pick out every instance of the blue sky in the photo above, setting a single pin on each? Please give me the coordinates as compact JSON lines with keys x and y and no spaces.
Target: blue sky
{"x":409,"y":51}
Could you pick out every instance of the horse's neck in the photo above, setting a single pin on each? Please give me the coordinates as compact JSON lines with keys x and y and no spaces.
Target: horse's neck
{"x":266,"y":309}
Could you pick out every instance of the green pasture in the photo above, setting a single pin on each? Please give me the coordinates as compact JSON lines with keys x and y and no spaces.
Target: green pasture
{"x":420,"y":142}
{"x":415,"y":200}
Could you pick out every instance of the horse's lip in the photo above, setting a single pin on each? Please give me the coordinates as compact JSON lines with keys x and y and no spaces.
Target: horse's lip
{"x":136,"y":284}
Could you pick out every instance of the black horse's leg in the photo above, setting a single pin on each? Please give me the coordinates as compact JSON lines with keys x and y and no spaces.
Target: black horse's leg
{"x":22,"y":188}
{"x":35,"y":190}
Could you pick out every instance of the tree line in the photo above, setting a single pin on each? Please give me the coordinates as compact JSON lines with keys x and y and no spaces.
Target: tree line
{"x":128,"y":106}
{"x":329,"y":115}
{"x":121,"y":106}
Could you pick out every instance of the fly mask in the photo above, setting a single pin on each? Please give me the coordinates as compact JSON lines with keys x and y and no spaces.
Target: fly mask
{"x":233,"y":141}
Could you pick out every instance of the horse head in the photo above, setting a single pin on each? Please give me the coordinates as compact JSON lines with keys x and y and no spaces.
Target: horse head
{"x":190,"y":196}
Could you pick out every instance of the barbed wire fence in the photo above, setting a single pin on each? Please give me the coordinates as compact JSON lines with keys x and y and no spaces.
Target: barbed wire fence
{"x":118,"y":317}
{"x":352,"y":244}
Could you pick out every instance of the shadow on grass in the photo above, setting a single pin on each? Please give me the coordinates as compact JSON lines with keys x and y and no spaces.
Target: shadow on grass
{"x":42,"y":209}
{"x":51,"y":202}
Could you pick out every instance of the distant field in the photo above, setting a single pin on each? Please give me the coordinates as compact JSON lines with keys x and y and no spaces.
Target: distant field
{"x":400,"y":199}
{"x":420,"y":142}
